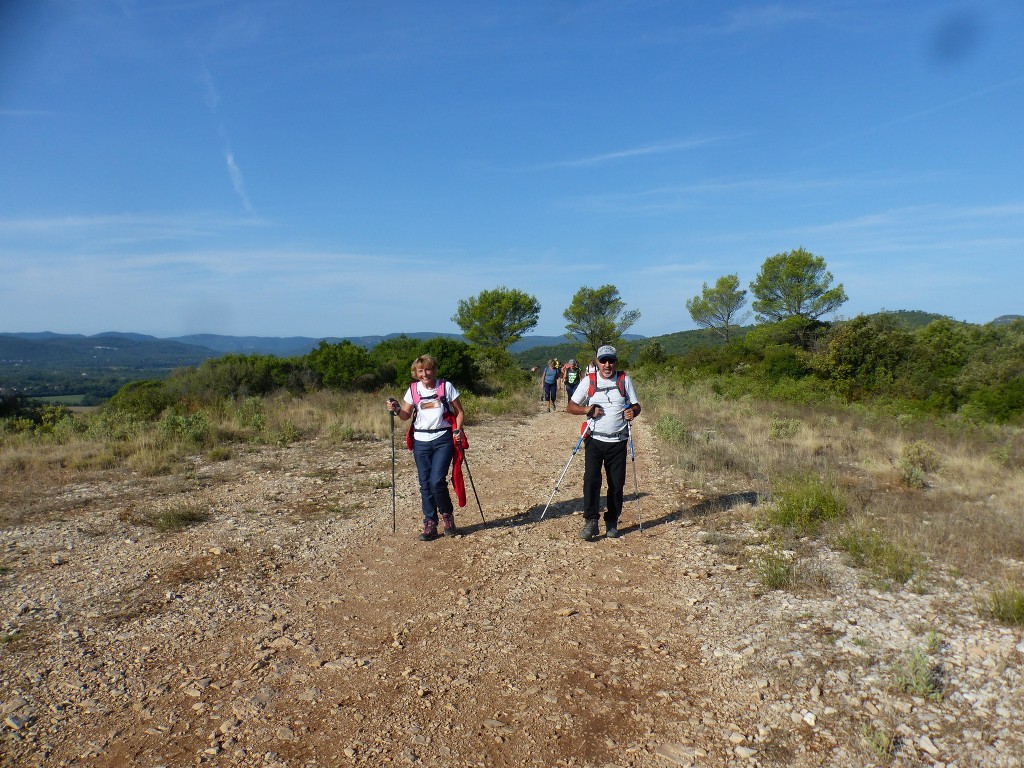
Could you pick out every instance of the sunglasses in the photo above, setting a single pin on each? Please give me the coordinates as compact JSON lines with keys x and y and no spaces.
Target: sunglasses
{"x":607,"y":359}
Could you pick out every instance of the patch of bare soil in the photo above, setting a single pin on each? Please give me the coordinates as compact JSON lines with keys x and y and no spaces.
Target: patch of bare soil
{"x":294,"y":628}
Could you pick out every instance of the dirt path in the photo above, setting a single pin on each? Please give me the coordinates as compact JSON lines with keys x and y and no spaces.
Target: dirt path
{"x":294,"y":629}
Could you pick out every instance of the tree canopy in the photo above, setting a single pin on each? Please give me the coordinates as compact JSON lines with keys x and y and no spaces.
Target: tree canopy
{"x":717,"y":308}
{"x":598,"y":316}
{"x":792,"y":290}
{"x":497,"y":318}
{"x":795,"y":284}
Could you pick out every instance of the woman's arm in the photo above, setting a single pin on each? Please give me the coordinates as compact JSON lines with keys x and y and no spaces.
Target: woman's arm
{"x":460,"y":414}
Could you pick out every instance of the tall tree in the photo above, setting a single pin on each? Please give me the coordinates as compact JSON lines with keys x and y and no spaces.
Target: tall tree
{"x":598,"y":316}
{"x":717,"y":308}
{"x":795,"y":284}
{"x":792,"y":289}
{"x":497,"y":318}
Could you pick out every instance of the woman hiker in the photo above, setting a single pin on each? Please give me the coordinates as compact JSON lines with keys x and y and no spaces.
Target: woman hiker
{"x":549,"y":385}
{"x":437,"y":415}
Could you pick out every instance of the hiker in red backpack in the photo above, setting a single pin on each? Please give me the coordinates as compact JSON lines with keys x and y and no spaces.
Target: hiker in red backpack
{"x":609,"y":400}
{"x":434,"y":405}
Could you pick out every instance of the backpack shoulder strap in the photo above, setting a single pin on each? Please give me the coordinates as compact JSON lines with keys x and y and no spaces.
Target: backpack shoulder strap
{"x":620,"y":384}
{"x":442,"y":394}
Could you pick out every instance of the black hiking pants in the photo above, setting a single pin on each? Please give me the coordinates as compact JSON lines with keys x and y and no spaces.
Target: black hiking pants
{"x":611,"y":458}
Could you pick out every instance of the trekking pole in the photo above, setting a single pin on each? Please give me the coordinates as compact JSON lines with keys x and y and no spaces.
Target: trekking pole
{"x":394,"y":514}
{"x":583,"y":434}
{"x":473,"y":486}
{"x":636,"y":484}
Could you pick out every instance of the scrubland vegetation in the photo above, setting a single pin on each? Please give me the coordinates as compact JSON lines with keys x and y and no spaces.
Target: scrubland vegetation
{"x":901,"y":448}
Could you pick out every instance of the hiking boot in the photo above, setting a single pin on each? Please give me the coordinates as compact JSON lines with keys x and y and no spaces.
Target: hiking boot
{"x":448,"y":523}
{"x":613,"y":533}
{"x":589,"y":532}
{"x":429,"y":530}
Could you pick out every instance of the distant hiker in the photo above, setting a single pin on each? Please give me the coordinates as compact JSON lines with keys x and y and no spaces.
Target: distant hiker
{"x":609,"y":399}
{"x":592,"y":367}
{"x":549,"y":385}
{"x":437,"y":415}
{"x":571,"y":375}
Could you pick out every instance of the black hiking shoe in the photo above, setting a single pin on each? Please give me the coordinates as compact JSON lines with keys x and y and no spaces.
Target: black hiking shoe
{"x":589,"y":532}
{"x":429,"y":530}
{"x":613,"y":533}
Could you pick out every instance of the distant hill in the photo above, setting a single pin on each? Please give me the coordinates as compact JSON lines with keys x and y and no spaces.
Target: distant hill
{"x":42,"y":364}
{"x":1007,"y":319}
{"x":912,"y":319}
{"x":105,"y":350}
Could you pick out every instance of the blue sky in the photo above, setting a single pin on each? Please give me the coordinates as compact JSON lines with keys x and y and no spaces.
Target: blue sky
{"x":290,"y":167}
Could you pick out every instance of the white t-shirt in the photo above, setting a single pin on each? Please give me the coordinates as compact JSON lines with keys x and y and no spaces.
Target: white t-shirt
{"x":430,"y":423}
{"x":610,"y":428}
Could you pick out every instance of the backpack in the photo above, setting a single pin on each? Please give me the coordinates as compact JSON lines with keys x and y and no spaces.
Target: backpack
{"x":620,"y":383}
{"x":440,"y":393}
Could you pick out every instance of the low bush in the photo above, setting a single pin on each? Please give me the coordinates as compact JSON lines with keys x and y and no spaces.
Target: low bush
{"x":918,"y":675}
{"x":868,"y":548}
{"x":1006,"y":605}
{"x":917,"y":459}
{"x":804,"y":503}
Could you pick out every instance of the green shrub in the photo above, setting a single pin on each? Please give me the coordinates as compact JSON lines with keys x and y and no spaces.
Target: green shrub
{"x":193,"y":428}
{"x":143,"y":400}
{"x":670,"y":429}
{"x":250,"y":414}
{"x":774,"y":569}
{"x":879,"y":741}
{"x":916,"y":460}
{"x":1006,"y":605}
{"x":115,"y":424}
{"x":782,"y":428}
{"x":342,"y":365}
{"x":177,"y":517}
{"x":918,"y":675}
{"x":218,"y":453}
{"x":867,"y":548}
{"x":16,"y":425}
{"x":804,"y":503}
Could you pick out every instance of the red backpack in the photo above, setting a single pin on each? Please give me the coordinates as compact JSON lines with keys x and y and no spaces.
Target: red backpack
{"x":620,"y":383}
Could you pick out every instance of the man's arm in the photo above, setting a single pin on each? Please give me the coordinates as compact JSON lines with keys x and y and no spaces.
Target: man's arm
{"x":576,"y":410}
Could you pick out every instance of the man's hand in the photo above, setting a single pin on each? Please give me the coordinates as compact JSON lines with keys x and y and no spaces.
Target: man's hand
{"x":595,"y":412}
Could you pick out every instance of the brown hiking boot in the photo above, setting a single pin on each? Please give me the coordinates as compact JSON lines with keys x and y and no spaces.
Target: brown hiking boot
{"x":448,"y":523}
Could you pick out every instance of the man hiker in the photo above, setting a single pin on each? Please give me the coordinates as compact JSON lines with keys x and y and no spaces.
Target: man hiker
{"x":608,"y":399}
